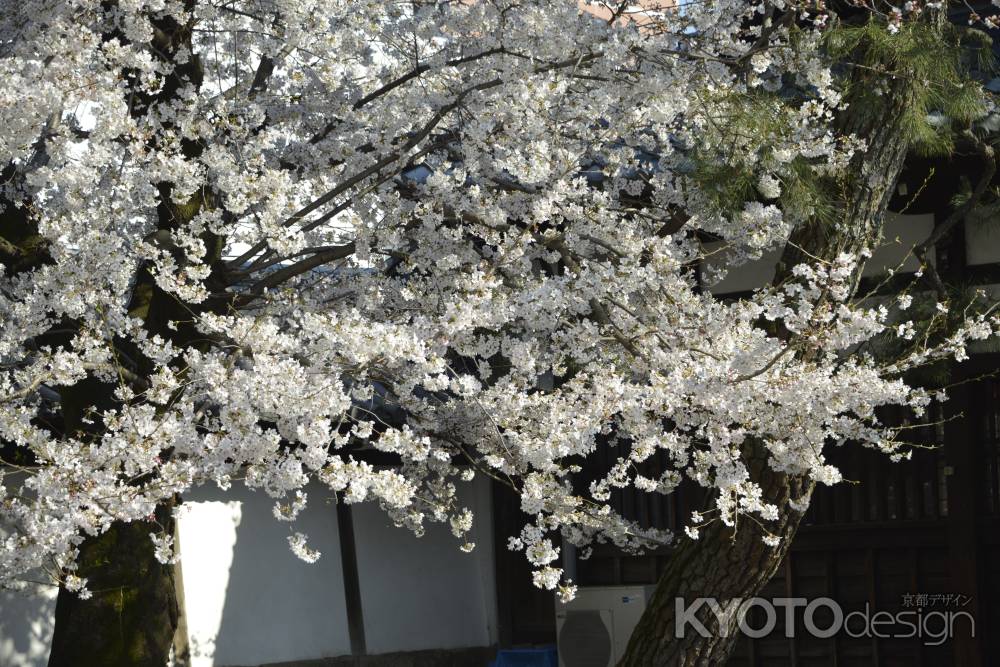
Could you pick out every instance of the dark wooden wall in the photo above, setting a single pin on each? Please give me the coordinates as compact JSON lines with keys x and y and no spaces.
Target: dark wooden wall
{"x":930,"y":525}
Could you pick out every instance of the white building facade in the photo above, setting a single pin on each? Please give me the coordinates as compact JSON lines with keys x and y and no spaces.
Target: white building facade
{"x":248,"y":600}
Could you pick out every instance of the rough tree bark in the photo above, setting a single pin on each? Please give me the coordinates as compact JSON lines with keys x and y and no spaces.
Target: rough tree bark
{"x":728,"y":564}
{"x":722,"y":564}
{"x":133,"y":613}
{"x":133,"y":616}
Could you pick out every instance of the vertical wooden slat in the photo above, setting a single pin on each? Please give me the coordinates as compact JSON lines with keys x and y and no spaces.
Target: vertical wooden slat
{"x":629,"y":497}
{"x":932,"y":499}
{"x":898,"y":509}
{"x":793,"y":651}
{"x":914,"y":568}
{"x":502,"y":572}
{"x":656,"y":514}
{"x":352,"y":582}
{"x":882,"y":483}
{"x":831,"y":588}
{"x":858,"y":505}
{"x":670,"y":511}
{"x":681,"y":503}
{"x":842,"y":493}
{"x":963,"y":450}
{"x":871,"y":564}
{"x":991,"y":432}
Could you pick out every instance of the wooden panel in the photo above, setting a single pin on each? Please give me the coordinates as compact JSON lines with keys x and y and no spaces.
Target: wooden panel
{"x":870,"y":543}
{"x":526,"y":615}
{"x":987,"y":625}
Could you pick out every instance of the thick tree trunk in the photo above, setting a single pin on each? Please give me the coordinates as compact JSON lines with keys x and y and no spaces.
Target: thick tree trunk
{"x":133,"y":616}
{"x":723,"y":564}
{"x":131,"y":619}
{"x":728,"y":565}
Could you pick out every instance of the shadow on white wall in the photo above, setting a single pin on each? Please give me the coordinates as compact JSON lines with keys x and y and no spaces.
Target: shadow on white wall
{"x":249,"y":600}
{"x":26,"y":622}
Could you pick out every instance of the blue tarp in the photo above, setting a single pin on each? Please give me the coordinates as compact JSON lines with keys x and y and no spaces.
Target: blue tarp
{"x":544,"y":656}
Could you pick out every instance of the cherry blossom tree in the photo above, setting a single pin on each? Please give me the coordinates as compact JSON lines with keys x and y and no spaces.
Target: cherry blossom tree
{"x":231,"y":227}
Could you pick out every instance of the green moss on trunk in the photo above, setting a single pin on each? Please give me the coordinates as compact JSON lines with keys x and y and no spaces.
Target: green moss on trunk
{"x":133,"y":614}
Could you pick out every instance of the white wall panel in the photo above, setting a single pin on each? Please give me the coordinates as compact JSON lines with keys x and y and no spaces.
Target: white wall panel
{"x":900,"y":234}
{"x":423,"y":593}
{"x":26,"y":626}
{"x":249,"y":600}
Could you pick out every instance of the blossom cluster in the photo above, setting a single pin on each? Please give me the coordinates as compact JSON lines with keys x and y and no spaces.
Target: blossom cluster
{"x":277,"y":237}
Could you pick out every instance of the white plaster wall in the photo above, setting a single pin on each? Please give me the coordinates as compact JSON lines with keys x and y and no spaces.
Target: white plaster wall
{"x":422,"y":593}
{"x":26,"y":616}
{"x":990,"y":345}
{"x":744,"y":277}
{"x":900,"y":234}
{"x":248,"y":599}
{"x":982,"y":243}
{"x":26,"y":626}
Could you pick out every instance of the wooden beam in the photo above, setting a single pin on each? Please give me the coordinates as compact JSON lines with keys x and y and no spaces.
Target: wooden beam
{"x":352,"y":582}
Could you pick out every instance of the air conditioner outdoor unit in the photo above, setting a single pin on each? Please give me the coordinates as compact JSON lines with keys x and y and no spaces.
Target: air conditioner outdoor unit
{"x":593,"y":630}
